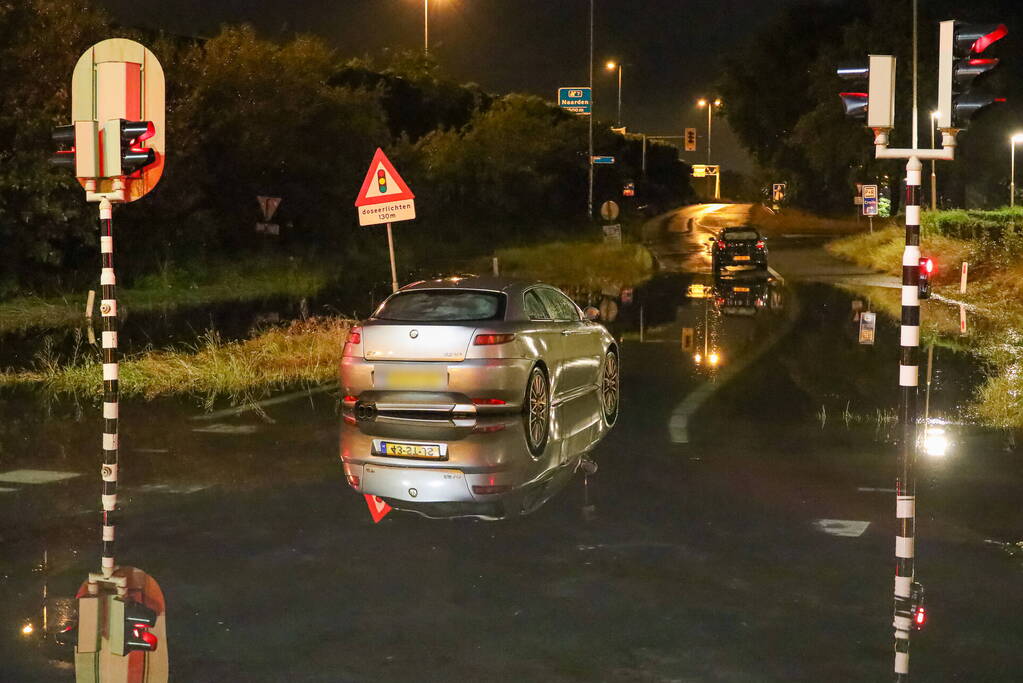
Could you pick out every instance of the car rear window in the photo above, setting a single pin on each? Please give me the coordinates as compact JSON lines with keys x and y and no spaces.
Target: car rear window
{"x":740,"y":235}
{"x":442,"y":305}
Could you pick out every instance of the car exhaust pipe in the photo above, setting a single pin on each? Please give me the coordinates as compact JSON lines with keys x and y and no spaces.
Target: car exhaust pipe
{"x":365,"y":411}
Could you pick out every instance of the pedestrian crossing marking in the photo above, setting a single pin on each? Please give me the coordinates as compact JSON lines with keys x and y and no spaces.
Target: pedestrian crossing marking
{"x":847,"y":528}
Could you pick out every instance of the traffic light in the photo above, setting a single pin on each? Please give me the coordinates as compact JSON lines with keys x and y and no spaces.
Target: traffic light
{"x":876,"y":106}
{"x":123,"y":153}
{"x":690,"y":140}
{"x":960,"y":66}
{"x":76,"y":148}
{"x":129,"y":627}
{"x":924,"y":286}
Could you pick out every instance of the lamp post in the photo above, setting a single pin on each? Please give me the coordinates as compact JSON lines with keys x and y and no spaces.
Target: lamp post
{"x":1018,"y":137}
{"x":935,"y":115}
{"x":426,"y":27}
{"x":710,"y":105}
{"x":611,"y":66}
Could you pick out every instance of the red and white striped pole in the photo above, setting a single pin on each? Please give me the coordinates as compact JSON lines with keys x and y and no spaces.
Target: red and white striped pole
{"x":108,"y":310}
{"x":909,"y":371}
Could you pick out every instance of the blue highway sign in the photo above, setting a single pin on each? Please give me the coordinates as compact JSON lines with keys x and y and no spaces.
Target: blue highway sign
{"x":603,"y":160}
{"x":576,"y":100}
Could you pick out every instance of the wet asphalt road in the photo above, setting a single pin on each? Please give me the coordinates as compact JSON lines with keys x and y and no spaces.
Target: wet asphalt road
{"x":703,"y":548}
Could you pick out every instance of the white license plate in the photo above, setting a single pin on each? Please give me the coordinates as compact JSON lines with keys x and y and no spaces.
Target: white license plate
{"x":411,"y":450}
{"x":740,"y":258}
{"x":412,"y":378}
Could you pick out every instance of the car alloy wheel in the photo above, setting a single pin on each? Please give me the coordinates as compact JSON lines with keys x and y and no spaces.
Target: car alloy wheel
{"x":610,"y":387}
{"x":538,"y":410}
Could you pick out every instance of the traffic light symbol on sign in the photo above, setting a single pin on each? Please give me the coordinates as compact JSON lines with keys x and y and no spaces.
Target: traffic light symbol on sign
{"x":382,"y":181}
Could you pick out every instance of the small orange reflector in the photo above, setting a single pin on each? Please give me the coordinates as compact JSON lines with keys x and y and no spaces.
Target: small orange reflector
{"x":490,"y":490}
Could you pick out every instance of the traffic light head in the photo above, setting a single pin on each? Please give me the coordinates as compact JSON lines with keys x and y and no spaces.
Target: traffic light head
{"x":926,"y":270}
{"x":76,"y":148}
{"x":876,"y":105}
{"x":960,"y":67}
{"x":129,"y":627}
{"x":123,"y":150}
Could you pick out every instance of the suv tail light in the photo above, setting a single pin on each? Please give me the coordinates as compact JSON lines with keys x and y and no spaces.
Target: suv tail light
{"x":492,"y":339}
{"x":721,"y":244}
{"x":760,"y":244}
{"x":354,"y":342}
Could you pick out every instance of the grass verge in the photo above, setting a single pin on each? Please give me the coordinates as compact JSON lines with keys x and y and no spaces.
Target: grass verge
{"x":993,"y":300}
{"x":244,"y":281}
{"x":306,"y":352}
{"x":579,"y":264}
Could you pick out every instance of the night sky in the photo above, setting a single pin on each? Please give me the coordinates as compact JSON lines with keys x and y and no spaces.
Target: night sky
{"x":671,"y":48}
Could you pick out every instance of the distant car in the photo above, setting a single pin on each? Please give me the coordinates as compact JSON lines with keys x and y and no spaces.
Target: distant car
{"x":472,"y":346}
{"x":739,"y":246}
{"x":479,"y":467}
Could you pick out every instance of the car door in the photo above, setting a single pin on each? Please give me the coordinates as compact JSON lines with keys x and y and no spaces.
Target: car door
{"x":550,"y":343}
{"x":581,"y":351}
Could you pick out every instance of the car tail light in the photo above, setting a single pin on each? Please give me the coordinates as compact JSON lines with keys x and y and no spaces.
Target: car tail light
{"x":760,"y":244}
{"x":492,"y":339}
{"x":721,"y":244}
{"x":490,"y":490}
{"x":350,"y":399}
{"x":353,"y":342}
{"x":353,"y":480}
{"x":488,"y":402}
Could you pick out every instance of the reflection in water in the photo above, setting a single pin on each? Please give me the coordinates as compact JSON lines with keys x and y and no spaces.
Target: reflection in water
{"x":472,"y":467}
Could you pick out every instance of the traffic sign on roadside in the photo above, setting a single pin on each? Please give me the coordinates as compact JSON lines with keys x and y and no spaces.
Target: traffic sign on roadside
{"x":870,"y":200}
{"x":868,"y":323}
{"x":384,"y":197}
{"x":603,"y":160}
{"x":609,"y":211}
{"x":576,"y":100}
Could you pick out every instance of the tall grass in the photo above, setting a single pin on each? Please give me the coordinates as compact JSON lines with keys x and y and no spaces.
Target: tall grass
{"x":305,"y":352}
{"x":172,"y":288}
{"x":579,"y":264}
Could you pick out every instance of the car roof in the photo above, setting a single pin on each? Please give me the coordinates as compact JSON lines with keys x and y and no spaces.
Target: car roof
{"x":494,"y":284}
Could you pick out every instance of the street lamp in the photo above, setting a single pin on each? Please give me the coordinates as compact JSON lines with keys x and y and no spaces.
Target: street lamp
{"x":611,"y":66}
{"x":935,"y":115}
{"x":426,"y":27}
{"x":1018,"y":137}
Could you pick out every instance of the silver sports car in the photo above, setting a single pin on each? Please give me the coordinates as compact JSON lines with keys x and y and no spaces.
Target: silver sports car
{"x":472,"y":346}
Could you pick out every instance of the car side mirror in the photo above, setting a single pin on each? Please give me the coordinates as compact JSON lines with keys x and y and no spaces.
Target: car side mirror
{"x":591,"y":313}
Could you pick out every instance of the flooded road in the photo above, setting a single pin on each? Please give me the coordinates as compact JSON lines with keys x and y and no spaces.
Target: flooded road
{"x":733,"y":522}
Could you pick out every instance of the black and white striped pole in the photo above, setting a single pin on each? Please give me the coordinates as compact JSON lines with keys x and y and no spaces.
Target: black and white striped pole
{"x":111,"y":379}
{"x":909,"y":372}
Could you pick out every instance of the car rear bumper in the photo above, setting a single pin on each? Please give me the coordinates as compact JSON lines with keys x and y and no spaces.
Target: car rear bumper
{"x":475,"y":386}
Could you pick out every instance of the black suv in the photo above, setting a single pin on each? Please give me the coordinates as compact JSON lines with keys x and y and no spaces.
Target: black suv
{"x":742,"y":246}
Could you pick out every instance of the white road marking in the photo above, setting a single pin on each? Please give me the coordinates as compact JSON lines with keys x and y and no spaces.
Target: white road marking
{"x":220,"y":428}
{"x":173,"y":488}
{"x":6,"y":490}
{"x":151,"y":450}
{"x":776,"y":274}
{"x":848,"y":528}
{"x":36,"y":476}
{"x":868,"y":489}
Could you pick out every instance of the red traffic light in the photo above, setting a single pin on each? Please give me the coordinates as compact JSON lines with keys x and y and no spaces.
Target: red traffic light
{"x":855,"y":104}
{"x":920,"y":617}
{"x":927,"y":265}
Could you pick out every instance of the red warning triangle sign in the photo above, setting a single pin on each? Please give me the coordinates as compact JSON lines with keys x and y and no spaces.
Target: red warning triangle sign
{"x":382,"y":183}
{"x":378,"y":509}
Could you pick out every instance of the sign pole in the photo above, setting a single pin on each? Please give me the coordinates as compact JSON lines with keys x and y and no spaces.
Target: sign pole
{"x":390,"y":248}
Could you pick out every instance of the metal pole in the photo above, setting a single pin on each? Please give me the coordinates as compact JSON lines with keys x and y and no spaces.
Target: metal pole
{"x":710,"y":122}
{"x":706,"y":328}
{"x":111,"y":370}
{"x":426,"y":27}
{"x":934,"y":174}
{"x":390,"y":248}
{"x":905,"y":484}
{"x":644,"y":155}
{"x":717,"y":184}
{"x":620,"y":67}
{"x":1012,"y":178}
{"x":916,"y":114}
{"x":589,"y":201}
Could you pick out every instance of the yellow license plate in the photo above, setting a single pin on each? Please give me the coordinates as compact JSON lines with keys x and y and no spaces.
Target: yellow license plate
{"x":419,"y":379}
{"x":741,"y":289}
{"x":741,"y":258}
{"x":410,"y":450}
